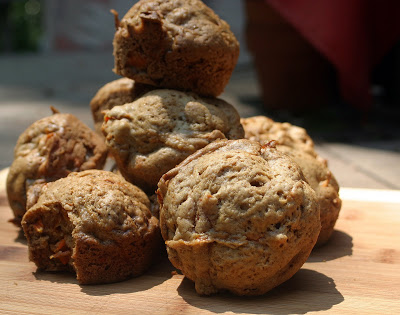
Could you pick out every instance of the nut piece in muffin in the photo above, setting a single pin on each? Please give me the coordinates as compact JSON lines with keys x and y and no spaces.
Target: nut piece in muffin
{"x":117,"y":92}
{"x":321,"y":179}
{"x":238,"y":216}
{"x":93,"y":223}
{"x":295,"y":141}
{"x":50,"y":149}
{"x":261,"y":128}
{"x":156,"y":132}
{"x":176,"y":44}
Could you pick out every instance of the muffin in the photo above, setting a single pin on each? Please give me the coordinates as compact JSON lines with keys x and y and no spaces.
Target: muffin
{"x":117,"y":92}
{"x":95,"y":224}
{"x":295,"y":141}
{"x":238,"y":216}
{"x":50,"y":149}
{"x":176,"y":44}
{"x":261,"y":128}
{"x":321,"y":179}
{"x":156,"y":132}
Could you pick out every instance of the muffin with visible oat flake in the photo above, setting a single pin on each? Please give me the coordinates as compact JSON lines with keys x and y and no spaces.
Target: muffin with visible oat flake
{"x":238,"y":216}
{"x":117,"y":92}
{"x":176,"y":44}
{"x":50,"y":149}
{"x":156,"y":132}
{"x":93,"y":223}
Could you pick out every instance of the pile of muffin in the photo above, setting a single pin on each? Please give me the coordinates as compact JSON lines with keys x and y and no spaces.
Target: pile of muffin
{"x":238,"y":203}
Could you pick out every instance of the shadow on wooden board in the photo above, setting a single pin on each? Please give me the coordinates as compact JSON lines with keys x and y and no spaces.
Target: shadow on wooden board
{"x":339,"y":245}
{"x":306,"y":291}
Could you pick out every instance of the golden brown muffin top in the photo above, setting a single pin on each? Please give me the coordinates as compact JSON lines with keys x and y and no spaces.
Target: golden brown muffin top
{"x":99,"y":204}
{"x":50,"y":149}
{"x":238,"y":216}
{"x":237,"y":191}
{"x":180,"y":45}
{"x":262,"y":128}
{"x":187,"y":22}
{"x":64,"y":142}
{"x":157,"y":131}
{"x":114,"y":93}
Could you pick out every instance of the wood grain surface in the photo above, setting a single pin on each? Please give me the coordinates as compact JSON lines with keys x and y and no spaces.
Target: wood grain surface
{"x":357,"y":272}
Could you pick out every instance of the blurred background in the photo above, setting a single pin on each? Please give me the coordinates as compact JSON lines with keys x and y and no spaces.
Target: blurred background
{"x":332,"y":67}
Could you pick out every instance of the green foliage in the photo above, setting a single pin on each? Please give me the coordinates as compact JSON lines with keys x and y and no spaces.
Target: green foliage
{"x":23,"y":25}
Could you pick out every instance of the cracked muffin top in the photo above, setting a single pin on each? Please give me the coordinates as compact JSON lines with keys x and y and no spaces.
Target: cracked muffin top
{"x":261,"y":128}
{"x":156,"y":132}
{"x":94,"y":223}
{"x":245,"y":210}
{"x":98,"y":203}
{"x":49,"y":149}
{"x":177,"y":44}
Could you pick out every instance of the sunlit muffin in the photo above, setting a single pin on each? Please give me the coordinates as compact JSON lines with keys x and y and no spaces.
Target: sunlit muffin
{"x":326,"y":187}
{"x":117,"y":92}
{"x":296,"y":142}
{"x":49,"y":149}
{"x":262,"y":128}
{"x":156,"y":132}
{"x":238,"y":216}
{"x":95,"y":224}
{"x":176,"y":44}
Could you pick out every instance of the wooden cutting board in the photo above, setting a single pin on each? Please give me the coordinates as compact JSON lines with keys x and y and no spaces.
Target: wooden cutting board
{"x":358,"y":271}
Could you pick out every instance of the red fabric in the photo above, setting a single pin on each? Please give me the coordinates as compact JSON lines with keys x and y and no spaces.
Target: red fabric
{"x":353,"y":34}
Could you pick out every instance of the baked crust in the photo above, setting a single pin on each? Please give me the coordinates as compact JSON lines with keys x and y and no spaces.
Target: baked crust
{"x":94,"y":223}
{"x":262,"y":128}
{"x":49,"y":149}
{"x":326,"y":187}
{"x":159,"y":130}
{"x":237,"y":216}
{"x":295,"y":142}
{"x":117,"y":92}
{"x":176,"y":44}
